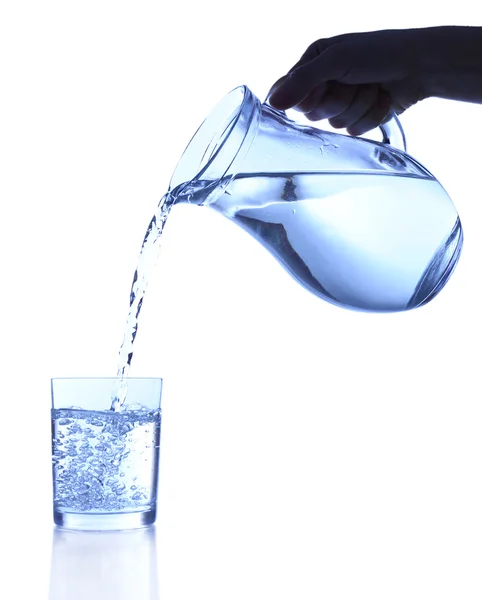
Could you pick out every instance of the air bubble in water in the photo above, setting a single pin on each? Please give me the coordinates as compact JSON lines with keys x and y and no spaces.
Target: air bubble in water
{"x":87,"y":475}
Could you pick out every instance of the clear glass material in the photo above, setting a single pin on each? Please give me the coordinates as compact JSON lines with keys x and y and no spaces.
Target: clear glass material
{"x":359,"y":223}
{"x":105,"y":463}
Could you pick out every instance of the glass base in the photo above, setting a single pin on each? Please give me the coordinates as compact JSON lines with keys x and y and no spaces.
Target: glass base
{"x":104,"y":521}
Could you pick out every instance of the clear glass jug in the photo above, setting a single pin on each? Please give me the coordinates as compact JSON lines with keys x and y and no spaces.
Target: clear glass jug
{"x":359,"y":223}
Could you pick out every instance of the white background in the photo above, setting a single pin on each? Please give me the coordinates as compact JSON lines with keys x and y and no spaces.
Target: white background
{"x":306,"y":451}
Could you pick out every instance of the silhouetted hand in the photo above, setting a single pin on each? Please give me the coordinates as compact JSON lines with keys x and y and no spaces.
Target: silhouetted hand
{"x":354,"y":80}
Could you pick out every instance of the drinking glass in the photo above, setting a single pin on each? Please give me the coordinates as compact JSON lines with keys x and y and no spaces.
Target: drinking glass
{"x":105,"y":462}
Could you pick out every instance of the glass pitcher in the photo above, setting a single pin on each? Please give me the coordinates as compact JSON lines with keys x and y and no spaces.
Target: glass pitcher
{"x":359,"y":223}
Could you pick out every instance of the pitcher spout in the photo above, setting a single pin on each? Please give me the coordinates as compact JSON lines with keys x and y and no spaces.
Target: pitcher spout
{"x":217,"y":149}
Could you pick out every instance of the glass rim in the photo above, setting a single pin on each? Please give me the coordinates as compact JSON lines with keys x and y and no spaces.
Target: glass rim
{"x":107,"y":378}
{"x":230,"y":129}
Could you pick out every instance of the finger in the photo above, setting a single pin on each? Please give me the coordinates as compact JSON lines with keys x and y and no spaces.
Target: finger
{"x":278,"y":83}
{"x":388,"y":117}
{"x":391,"y":113}
{"x":365,"y":98}
{"x":310,"y":53}
{"x":313,"y":100}
{"x":299,"y":83}
{"x":336,"y":100}
{"x":373,"y":118}
{"x":315,"y":49}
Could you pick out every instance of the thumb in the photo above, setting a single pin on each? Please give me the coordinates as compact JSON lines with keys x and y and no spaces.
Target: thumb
{"x":297,"y":85}
{"x":277,"y":84}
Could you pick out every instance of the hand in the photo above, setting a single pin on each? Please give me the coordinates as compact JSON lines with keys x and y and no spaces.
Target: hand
{"x":355,"y":80}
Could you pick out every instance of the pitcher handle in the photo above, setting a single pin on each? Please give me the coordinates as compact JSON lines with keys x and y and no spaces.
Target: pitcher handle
{"x":393,"y":133}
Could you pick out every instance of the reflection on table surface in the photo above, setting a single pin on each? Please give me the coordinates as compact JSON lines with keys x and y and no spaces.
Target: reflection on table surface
{"x":104,"y":565}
